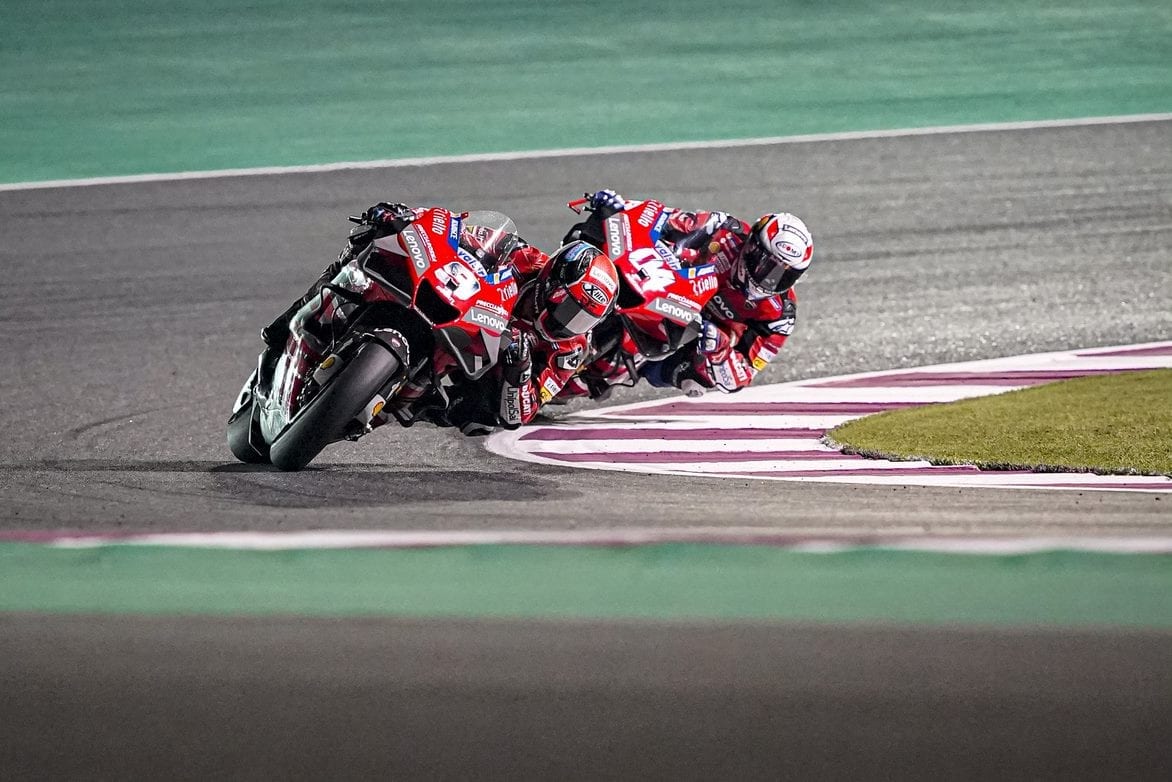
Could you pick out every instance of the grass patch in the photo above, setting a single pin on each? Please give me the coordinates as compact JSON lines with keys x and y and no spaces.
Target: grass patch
{"x":1111,"y":424}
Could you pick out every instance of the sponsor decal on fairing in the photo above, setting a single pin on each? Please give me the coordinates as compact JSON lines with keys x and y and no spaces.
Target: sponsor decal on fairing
{"x":703,"y":284}
{"x":657,"y":229}
{"x":493,"y":307}
{"x":673,"y":311}
{"x":668,"y":256}
{"x":653,"y":273}
{"x":472,"y":261}
{"x":500,"y":275}
{"x":616,"y":246}
{"x":419,"y":253}
{"x":650,"y":211}
{"x":485,"y":319}
{"x":459,"y":281}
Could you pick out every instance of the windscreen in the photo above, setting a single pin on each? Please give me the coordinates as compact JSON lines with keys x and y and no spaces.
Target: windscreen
{"x":490,"y":236}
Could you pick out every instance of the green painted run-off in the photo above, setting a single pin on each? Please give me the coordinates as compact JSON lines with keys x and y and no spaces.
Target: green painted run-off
{"x":666,"y":581}
{"x":134,"y":86}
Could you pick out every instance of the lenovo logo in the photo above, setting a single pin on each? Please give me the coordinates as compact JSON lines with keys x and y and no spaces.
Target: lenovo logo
{"x":485,"y":319}
{"x":414,"y":247}
{"x":669,"y":309}
{"x":615,"y":247}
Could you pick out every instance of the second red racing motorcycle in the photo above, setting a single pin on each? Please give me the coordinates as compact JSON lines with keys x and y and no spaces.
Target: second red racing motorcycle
{"x":659,"y":303}
{"x":413,"y":315}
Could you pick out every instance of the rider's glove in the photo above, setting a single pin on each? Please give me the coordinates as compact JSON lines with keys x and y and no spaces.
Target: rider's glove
{"x":390,"y":217}
{"x":714,"y":341}
{"x":728,"y":375}
{"x":516,"y":357}
{"x":607,"y":201}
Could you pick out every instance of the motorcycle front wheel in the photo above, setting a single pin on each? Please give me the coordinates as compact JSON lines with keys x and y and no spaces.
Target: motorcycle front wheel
{"x":244,"y":437}
{"x":325,"y":418}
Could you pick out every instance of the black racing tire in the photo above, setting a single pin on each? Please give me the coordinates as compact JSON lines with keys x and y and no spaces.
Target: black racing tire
{"x":325,"y":418}
{"x":244,"y":437}
{"x":246,"y":446}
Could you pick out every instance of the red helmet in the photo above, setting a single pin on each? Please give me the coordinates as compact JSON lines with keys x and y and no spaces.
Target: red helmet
{"x":575,"y":289}
{"x":775,"y":255}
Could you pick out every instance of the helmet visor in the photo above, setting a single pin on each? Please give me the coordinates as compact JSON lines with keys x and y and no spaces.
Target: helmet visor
{"x":566,"y":317}
{"x":765,"y":271}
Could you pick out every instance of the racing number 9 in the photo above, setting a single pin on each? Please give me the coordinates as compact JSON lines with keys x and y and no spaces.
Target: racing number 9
{"x":459,"y":279}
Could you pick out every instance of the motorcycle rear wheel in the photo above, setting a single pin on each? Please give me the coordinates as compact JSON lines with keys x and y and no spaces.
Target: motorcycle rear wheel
{"x":325,"y":418}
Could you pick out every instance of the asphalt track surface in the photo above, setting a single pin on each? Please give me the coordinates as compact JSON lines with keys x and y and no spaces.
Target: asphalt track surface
{"x":131,"y":312}
{"x":395,"y":699}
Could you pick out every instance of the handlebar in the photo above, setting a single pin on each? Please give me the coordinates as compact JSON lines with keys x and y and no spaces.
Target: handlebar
{"x":578,"y":203}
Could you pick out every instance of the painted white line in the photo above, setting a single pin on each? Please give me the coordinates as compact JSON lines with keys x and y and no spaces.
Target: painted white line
{"x":728,"y":441}
{"x":492,"y":157}
{"x":653,"y":446}
{"x":743,"y":421}
{"x":980,"y":480}
{"x":350,"y":539}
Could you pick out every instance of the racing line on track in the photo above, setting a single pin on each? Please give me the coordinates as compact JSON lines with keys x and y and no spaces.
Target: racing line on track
{"x":775,"y":432}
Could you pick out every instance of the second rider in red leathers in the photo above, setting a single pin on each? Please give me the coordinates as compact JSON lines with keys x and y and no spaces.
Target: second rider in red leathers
{"x":752,"y":313}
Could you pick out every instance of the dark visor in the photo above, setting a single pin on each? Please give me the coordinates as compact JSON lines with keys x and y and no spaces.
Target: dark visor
{"x":567,"y":319}
{"x":766,"y":271}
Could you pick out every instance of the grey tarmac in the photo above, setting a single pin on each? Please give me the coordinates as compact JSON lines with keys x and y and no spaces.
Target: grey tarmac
{"x":298,"y":698}
{"x":132,"y":313}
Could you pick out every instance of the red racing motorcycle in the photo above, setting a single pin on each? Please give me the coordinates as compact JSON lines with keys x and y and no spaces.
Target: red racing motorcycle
{"x":411,"y":316}
{"x":659,"y":302}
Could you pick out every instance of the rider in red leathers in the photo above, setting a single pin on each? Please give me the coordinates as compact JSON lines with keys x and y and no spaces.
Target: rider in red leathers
{"x":550,"y":335}
{"x":753,"y":311}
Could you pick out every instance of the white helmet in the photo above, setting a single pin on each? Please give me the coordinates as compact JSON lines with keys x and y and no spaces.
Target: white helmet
{"x":779,"y":248}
